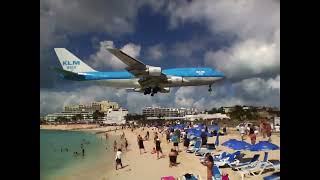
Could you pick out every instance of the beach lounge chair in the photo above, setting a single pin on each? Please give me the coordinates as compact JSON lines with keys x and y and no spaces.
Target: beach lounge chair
{"x":216,"y":174}
{"x":203,"y":151}
{"x":274,"y":176}
{"x":217,"y":157}
{"x":230,"y":161}
{"x":195,"y":148}
{"x":257,"y":168}
{"x":189,"y":176}
{"x":262,"y":166}
{"x":254,"y":159}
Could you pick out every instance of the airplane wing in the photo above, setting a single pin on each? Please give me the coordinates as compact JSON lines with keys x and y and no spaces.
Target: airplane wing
{"x":138,"y":69}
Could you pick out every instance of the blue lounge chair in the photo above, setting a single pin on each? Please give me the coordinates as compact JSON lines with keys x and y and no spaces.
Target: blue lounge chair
{"x":195,"y":148}
{"x":230,"y":161}
{"x":254,"y":159}
{"x":216,"y":174}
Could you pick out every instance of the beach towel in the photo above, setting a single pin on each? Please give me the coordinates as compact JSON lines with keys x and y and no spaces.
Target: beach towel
{"x":168,"y":178}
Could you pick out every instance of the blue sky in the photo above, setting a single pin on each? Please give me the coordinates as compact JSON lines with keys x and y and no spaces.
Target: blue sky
{"x":242,"y":42}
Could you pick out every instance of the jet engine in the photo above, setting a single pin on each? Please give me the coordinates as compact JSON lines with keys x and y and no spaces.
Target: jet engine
{"x":165,"y":90}
{"x":153,"y":71}
{"x":175,"y":79}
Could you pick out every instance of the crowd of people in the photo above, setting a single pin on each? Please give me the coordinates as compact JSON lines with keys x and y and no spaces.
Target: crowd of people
{"x":176,"y":136}
{"x":252,"y":131}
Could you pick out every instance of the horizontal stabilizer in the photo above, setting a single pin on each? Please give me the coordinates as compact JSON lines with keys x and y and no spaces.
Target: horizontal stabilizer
{"x":69,"y":75}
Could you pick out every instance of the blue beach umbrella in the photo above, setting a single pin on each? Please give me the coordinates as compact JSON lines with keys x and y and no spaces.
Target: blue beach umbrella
{"x":237,"y":145}
{"x":264,"y":146}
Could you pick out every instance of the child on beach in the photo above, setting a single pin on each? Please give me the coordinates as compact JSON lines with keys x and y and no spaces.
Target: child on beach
{"x":118,"y":158}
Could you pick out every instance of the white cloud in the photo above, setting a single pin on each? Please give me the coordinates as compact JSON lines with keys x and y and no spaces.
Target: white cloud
{"x":254,"y":26}
{"x":103,"y":59}
{"x":245,"y":19}
{"x":249,"y":57}
{"x":155,"y":52}
{"x":73,"y":17}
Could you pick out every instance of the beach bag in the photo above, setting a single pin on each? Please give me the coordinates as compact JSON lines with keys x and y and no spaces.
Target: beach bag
{"x":225,"y":176}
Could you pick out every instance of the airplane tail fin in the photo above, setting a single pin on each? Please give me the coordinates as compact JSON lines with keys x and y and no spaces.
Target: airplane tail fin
{"x":70,"y":62}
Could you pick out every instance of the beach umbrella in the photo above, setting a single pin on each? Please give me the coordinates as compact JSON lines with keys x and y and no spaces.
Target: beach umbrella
{"x":237,"y":145}
{"x":264,"y":146}
{"x":217,"y":140}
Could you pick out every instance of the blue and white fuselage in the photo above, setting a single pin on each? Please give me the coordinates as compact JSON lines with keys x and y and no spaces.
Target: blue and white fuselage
{"x":137,"y":76}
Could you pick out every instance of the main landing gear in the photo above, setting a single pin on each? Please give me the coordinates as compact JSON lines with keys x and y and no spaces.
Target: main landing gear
{"x":210,"y":89}
{"x":151,"y":91}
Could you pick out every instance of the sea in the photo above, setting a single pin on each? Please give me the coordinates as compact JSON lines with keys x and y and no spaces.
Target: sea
{"x":58,"y":159}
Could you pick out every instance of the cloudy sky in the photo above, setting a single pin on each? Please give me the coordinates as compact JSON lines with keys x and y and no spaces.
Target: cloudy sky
{"x":240,"y":38}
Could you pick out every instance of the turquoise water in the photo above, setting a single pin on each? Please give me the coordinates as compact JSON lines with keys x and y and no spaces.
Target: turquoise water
{"x":54,"y":163}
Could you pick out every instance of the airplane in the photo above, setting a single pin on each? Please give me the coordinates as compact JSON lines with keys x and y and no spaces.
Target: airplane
{"x":138,"y":76}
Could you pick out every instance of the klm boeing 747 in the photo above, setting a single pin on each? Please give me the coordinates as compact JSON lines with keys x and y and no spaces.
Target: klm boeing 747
{"x":138,"y":76}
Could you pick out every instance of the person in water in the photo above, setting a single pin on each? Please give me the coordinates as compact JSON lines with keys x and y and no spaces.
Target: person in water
{"x":82,"y":152}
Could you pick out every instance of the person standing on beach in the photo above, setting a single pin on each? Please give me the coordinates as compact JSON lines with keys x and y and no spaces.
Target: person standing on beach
{"x":242,"y":132}
{"x":126,"y":143}
{"x":168,"y":136}
{"x":148,"y":135}
{"x":118,"y":159}
{"x":203,"y":138}
{"x":175,"y":141}
{"x":186,"y":141}
{"x":115,"y":146}
{"x":140,"y":143}
{"x":158,"y":148}
{"x":268,"y":131}
{"x":209,"y":165}
{"x":173,"y":154}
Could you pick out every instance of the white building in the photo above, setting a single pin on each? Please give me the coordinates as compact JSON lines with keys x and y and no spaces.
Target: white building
{"x":116,"y":116}
{"x":206,"y":116}
{"x":86,"y":116}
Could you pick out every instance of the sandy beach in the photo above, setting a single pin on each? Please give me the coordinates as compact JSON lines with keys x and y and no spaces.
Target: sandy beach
{"x":146,"y":166}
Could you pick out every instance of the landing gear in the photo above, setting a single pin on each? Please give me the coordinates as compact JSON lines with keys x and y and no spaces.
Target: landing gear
{"x":210,"y":89}
{"x":151,"y":91}
{"x":147,"y":91}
